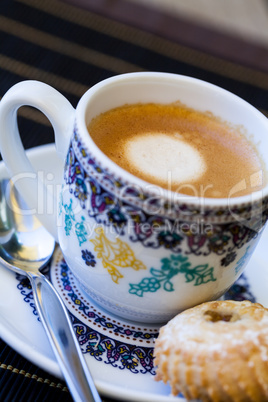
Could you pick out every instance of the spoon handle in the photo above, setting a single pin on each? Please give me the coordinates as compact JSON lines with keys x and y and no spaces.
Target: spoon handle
{"x":59,"y":330}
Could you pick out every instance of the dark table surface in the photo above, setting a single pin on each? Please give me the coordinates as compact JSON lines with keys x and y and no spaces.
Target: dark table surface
{"x":74,"y":44}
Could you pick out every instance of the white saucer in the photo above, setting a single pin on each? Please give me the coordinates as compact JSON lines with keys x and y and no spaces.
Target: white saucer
{"x":118,"y":352}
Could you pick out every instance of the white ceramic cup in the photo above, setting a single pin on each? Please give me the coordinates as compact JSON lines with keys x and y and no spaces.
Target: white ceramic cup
{"x":106,"y":229}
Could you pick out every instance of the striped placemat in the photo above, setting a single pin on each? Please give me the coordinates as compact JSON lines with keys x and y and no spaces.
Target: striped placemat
{"x":21,"y":380}
{"x":74,"y":44}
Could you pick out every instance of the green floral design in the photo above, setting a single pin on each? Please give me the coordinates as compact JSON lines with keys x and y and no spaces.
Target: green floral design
{"x":170,"y":267}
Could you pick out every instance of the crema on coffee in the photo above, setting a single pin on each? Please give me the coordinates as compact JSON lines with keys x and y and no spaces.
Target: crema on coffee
{"x":179,"y":149}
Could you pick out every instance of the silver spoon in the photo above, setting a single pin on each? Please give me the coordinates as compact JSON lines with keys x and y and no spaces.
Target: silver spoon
{"x":25,"y":247}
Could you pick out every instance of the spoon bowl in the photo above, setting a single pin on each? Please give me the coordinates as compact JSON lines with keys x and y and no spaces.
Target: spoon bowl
{"x":24,"y":243}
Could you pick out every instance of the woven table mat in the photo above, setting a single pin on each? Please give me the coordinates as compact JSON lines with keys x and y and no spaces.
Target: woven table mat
{"x":74,"y":44}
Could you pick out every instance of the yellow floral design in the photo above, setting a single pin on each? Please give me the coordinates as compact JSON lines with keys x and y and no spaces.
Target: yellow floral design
{"x":115,"y":254}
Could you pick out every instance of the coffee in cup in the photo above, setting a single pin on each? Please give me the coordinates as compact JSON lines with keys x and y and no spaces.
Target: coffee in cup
{"x":179,"y":148}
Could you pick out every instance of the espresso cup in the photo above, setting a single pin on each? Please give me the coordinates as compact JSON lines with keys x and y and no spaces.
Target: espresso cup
{"x":142,"y":252}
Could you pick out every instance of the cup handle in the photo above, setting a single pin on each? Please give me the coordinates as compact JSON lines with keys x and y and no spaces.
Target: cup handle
{"x":60,"y":113}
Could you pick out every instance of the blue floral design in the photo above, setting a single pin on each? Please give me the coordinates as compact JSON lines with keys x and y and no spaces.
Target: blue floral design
{"x":89,"y":258}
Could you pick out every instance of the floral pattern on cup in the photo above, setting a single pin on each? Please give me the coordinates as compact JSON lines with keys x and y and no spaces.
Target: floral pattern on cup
{"x":171,"y":267}
{"x":117,"y":255}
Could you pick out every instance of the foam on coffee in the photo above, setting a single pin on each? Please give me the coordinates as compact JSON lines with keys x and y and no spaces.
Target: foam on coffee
{"x":159,"y":156}
{"x":180,"y":149}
